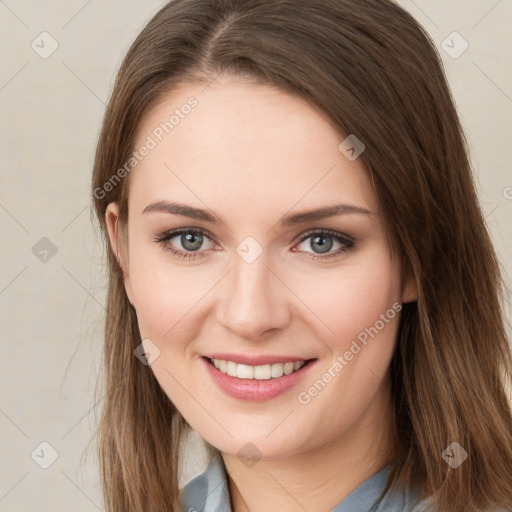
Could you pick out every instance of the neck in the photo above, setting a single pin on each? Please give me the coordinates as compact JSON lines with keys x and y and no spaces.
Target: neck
{"x":317,"y":480}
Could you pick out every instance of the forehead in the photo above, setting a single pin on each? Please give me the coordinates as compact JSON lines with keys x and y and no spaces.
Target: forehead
{"x":241,"y":143}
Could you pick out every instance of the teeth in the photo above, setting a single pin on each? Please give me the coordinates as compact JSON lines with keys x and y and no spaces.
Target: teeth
{"x":231,"y":368}
{"x":288,"y":368}
{"x":244,"y":372}
{"x":262,"y":372}
{"x":277,"y":370}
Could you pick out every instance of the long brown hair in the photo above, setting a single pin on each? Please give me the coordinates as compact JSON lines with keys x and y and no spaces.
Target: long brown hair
{"x":374,"y":70}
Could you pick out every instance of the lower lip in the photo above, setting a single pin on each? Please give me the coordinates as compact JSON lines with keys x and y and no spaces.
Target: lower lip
{"x":256,"y":390}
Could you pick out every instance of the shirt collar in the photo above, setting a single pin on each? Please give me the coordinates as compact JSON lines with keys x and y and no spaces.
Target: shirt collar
{"x":209,"y":492}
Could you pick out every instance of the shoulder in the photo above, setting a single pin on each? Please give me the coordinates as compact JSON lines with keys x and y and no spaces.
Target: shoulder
{"x":207,"y":492}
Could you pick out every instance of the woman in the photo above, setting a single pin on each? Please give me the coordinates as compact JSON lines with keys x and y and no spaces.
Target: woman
{"x":298,"y":269}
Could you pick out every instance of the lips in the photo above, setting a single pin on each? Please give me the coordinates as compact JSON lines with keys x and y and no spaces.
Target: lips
{"x":264,"y":379}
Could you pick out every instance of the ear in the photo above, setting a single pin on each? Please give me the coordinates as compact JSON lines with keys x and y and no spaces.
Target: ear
{"x":116,"y":243}
{"x":409,"y":289}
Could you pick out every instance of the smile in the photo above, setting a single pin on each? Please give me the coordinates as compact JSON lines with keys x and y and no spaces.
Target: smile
{"x":256,"y":382}
{"x":261,"y":372}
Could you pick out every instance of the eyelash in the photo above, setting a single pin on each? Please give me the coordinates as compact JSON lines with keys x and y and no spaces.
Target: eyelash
{"x":347,"y":242}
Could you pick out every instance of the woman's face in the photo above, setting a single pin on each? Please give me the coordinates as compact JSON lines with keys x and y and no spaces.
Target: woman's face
{"x":256,"y":281}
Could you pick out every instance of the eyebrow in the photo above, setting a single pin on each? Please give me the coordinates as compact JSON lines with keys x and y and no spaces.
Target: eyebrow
{"x":293,"y":219}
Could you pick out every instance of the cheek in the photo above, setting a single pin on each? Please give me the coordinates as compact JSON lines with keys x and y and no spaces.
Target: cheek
{"x":351,"y":299}
{"x":364,"y":313}
{"x":168,"y":297}
{"x":164,"y":295}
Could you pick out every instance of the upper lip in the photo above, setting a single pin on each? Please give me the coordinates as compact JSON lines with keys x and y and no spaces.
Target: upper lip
{"x":256,"y":360}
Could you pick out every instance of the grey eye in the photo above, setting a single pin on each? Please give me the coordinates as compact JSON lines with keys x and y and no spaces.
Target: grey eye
{"x":319,"y":244}
{"x":324,"y":243}
{"x":191,"y":241}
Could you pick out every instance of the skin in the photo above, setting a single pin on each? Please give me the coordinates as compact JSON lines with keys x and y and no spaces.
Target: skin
{"x":252,"y":153}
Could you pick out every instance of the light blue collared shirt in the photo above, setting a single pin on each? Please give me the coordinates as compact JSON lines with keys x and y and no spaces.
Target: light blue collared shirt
{"x":209,"y":492}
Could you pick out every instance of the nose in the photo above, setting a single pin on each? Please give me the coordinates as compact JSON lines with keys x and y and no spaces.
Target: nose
{"x":257,"y":302}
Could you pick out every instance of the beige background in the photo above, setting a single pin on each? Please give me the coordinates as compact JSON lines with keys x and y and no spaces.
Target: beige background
{"x":51,"y":311}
